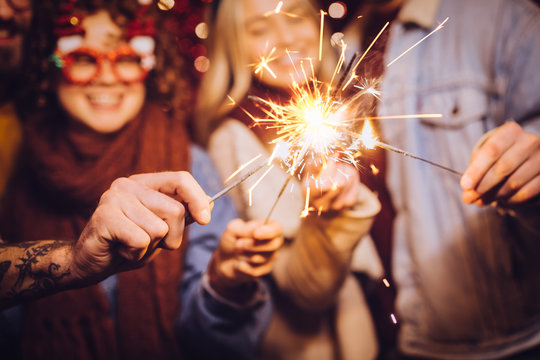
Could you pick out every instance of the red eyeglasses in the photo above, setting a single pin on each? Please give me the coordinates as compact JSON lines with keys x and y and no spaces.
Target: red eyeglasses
{"x":83,"y":65}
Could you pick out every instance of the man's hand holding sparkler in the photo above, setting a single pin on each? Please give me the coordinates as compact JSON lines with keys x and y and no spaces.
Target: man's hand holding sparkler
{"x":246,"y":252}
{"x":335,"y":187}
{"x":134,"y":218}
{"x":505,"y":168}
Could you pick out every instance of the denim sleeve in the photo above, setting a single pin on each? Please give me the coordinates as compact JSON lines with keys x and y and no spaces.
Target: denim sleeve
{"x":210,"y":327}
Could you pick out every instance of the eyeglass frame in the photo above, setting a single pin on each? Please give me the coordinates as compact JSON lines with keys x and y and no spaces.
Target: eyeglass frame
{"x":64,"y":61}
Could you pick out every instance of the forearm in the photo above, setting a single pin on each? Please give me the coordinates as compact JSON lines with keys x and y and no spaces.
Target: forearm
{"x":312,"y":269}
{"x":31,"y":270}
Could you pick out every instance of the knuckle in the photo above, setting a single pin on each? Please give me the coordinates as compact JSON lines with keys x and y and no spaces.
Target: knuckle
{"x":120,"y":183}
{"x":177,"y":210}
{"x":159,"y":229}
{"x":533,"y":140}
{"x":107,"y":197}
{"x":492,"y":149}
{"x":512,"y":126}
{"x":503,"y":168}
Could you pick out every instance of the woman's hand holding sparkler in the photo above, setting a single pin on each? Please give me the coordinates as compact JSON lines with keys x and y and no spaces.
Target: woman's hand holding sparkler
{"x":335,"y":187}
{"x":247,"y":251}
{"x":505,"y":168}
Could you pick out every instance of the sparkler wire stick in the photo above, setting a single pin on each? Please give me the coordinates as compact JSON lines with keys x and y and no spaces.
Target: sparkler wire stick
{"x":277,"y":199}
{"x":189,"y":219}
{"x":403,"y":152}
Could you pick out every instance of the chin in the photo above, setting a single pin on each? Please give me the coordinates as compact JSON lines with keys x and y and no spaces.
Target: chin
{"x":105,"y":124}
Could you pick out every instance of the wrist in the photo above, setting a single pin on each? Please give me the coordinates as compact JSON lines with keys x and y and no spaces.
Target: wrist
{"x":239,"y":292}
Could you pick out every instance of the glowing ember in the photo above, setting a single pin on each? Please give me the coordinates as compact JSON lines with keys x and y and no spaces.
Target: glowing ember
{"x":263,"y":64}
{"x":393,"y":317}
{"x":305,"y":212}
{"x":374,"y":171}
{"x":368,"y":136}
{"x":320,"y":122}
{"x":386,"y":282}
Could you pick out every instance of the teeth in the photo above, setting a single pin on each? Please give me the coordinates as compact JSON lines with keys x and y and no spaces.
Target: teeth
{"x":104,"y":99}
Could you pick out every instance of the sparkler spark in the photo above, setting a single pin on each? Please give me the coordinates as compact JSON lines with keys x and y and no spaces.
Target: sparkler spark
{"x":321,"y":121}
{"x":263,"y":64}
{"x":418,"y":42}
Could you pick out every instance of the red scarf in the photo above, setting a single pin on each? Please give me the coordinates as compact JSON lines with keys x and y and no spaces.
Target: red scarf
{"x":65,"y":170}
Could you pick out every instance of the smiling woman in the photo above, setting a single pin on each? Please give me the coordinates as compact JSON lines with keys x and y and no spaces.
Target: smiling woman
{"x":129,"y":35}
{"x":102,"y":86}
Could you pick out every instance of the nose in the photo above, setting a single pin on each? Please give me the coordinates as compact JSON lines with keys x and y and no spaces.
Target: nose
{"x":106,"y":75}
{"x":284,"y":36}
{"x":6,"y":12}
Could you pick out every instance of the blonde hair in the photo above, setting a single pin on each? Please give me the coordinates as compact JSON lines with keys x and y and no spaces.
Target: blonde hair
{"x":229,"y":74}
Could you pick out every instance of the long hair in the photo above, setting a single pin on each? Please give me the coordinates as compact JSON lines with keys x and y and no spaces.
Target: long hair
{"x":229,"y":74}
{"x":168,"y":83}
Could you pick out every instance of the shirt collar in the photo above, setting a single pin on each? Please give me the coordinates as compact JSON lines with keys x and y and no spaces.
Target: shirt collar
{"x":420,"y":12}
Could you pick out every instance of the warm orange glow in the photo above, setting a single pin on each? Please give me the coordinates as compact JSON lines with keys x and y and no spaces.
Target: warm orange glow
{"x":305,"y":212}
{"x":375,"y":171}
{"x":368,"y":136}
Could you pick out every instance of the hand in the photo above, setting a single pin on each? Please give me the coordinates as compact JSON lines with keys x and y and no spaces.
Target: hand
{"x":247,"y":251}
{"x":135,"y":216}
{"x":505,"y":169}
{"x":335,"y":188}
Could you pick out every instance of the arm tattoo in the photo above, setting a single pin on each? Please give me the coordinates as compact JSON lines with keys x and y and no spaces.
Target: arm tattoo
{"x":44,"y":281}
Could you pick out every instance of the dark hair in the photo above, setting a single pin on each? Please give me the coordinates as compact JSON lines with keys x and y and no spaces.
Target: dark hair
{"x":168,"y":83}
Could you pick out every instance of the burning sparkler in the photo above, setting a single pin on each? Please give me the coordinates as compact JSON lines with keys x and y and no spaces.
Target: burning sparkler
{"x":320,"y":122}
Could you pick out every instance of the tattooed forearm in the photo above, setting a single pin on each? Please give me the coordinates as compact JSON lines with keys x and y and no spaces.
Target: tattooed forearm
{"x":32,"y":270}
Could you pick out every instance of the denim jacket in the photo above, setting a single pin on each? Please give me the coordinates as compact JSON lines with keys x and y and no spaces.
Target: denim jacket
{"x":468,"y":278}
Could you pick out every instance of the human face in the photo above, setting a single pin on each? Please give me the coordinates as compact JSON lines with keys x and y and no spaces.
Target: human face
{"x":106,"y":103}
{"x":293,"y":32}
{"x":15,"y":16}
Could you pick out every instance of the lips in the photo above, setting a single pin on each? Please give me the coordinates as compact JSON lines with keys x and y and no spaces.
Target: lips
{"x":105,"y":101}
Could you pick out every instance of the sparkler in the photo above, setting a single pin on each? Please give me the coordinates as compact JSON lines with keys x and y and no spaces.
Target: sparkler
{"x":189,"y":218}
{"x":318,"y":123}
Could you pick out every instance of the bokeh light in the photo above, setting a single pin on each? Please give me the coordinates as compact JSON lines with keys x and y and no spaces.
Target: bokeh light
{"x":201,"y":30}
{"x":201,"y":64}
{"x":337,"y":10}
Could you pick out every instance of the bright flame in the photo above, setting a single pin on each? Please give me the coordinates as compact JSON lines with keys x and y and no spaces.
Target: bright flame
{"x":278,"y":7}
{"x":232,"y":101}
{"x":263,"y":64}
{"x":368,"y":136}
{"x":305,"y":212}
{"x":320,"y":121}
